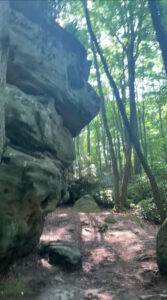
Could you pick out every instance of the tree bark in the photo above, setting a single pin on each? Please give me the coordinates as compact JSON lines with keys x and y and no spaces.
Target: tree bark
{"x":126,"y":176}
{"x":88,"y":140}
{"x":78,"y":155}
{"x":109,"y":137}
{"x":164,"y":146}
{"x":119,"y":154}
{"x":98,"y":150}
{"x":144,"y":131}
{"x":140,"y":129}
{"x":104,"y":144}
{"x":135,"y":142}
{"x":159,"y":29}
{"x":133,"y":112}
{"x":4,"y":46}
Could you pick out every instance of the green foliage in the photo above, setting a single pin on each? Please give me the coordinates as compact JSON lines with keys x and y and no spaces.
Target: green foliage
{"x":163,"y":12}
{"x":140,"y":196}
{"x":139,"y":189}
{"x":15,"y":288}
{"x":147,"y":209}
{"x":104,"y":198}
{"x":114,"y":23}
{"x":134,"y":219}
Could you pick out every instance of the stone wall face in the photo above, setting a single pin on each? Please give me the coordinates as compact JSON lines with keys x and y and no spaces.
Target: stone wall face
{"x":48,"y":101}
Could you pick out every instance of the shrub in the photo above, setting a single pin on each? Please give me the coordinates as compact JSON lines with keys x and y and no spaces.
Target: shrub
{"x":147,"y":209}
{"x":139,"y":189}
{"x":104,"y":198}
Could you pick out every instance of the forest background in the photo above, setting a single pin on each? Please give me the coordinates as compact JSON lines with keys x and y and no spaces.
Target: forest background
{"x":122,"y":153}
{"x":127,"y":65}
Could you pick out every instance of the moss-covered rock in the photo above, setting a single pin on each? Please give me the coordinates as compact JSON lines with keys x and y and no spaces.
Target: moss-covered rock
{"x":162,"y":248}
{"x":110,"y":219}
{"x":47,"y":84}
{"x":86,"y":204}
{"x":63,"y":253}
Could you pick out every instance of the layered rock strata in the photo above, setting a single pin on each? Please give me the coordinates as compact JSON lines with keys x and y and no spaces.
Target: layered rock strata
{"x":48,"y":101}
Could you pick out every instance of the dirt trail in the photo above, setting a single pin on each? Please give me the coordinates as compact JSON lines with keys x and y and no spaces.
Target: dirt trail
{"x":118,"y":260}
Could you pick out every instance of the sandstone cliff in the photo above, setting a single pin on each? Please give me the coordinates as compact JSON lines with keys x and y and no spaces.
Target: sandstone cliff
{"x":48,"y":102}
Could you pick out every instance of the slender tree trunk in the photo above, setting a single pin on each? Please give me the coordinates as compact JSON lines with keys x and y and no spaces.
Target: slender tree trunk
{"x":140,"y":129}
{"x":118,"y":139}
{"x":112,"y":152}
{"x":126,"y":176}
{"x":99,"y":150}
{"x":144,"y":131}
{"x":122,"y":133}
{"x":162,"y":132}
{"x":4,"y":46}
{"x":104,"y":144}
{"x":159,"y":29}
{"x":135,"y":142}
{"x":78,"y":155}
{"x":133,"y":112}
{"x":119,"y":154}
{"x":88,"y":140}
{"x":109,"y":137}
{"x":127,"y":169}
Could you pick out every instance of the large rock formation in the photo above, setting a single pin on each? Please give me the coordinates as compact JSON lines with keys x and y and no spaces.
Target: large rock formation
{"x":162,"y":248}
{"x":48,"y":101}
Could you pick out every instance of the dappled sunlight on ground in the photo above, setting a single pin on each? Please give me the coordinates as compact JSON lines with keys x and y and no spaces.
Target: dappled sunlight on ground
{"x":57,"y":234}
{"x":95,"y":294}
{"x":118,"y":260}
{"x":45,"y":263}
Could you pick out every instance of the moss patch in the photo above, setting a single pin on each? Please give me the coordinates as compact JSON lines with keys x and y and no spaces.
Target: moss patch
{"x":110,"y":219}
{"x":13,"y":289}
{"x":134,"y":219}
{"x":86,"y":204}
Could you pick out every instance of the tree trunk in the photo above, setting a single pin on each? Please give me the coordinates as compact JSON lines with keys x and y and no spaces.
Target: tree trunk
{"x":133,"y":112}
{"x":4,"y":46}
{"x":144,"y":131}
{"x":126,"y":176}
{"x":159,"y":29}
{"x":109,"y":137}
{"x":135,"y":142}
{"x":162,"y":133}
{"x":78,"y":155}
{"x":140,"y":130}
{"x":88,"y":140}
{"x":104,"y":145}
{"x":98,"y":150}
{"x":119,"y":154}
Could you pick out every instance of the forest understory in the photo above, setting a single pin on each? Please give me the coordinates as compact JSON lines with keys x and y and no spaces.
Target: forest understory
{"x":118,"y":261}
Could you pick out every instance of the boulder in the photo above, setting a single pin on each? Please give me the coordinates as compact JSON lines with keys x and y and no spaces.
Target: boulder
{"x":162,"y":248}
{"x":87,"y":184}
{"x":86,"y":204}
{"x":63,"y":253}
{"x":29,"y":188}
{"x":110,"y":219}
{"x":48,"y":100}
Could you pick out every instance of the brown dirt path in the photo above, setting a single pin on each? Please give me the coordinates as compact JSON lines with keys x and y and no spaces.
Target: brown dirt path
{"x":118,"y":260}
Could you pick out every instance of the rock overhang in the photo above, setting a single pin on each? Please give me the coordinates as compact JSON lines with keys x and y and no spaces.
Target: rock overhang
{"x":47,"y":60}
{"x":48,"y":100}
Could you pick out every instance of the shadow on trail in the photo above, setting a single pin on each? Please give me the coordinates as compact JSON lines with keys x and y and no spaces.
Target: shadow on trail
{"x":110,"y":266}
